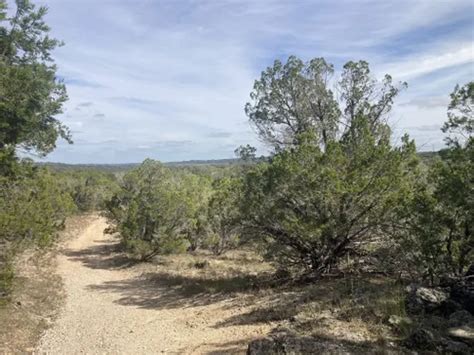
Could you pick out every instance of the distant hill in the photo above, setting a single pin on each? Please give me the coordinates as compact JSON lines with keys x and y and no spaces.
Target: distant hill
{"x":425,"y":156}
{"x":129,"y":166}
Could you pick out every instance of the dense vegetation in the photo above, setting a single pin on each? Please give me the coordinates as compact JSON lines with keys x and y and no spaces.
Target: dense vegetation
{"x":336,"y":194}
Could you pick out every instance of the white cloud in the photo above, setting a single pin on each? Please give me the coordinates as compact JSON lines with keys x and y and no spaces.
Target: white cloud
{"x":439,"y":58}
{"x":181,"y":71}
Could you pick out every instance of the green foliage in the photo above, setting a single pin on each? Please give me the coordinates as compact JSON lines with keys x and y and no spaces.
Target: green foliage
{"x":293,"y":98}
{"x":246,"y":152}
{"x":33,"y":208}
{"x":195,"y":194}
{"x":441,"y":221}
{"x":160,"y":210}
{"x":30,"y":93}
{"x":89,"y":189}
{"x":461,"y":114}
{"x":316,"y":207}
{"x":148,"y":211}
{"x":32,"y":205}
{"x":334,"y":184}
{"x":224,"y":215}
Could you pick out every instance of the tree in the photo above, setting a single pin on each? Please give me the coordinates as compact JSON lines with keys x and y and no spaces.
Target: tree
{"x":196,"y":191}
{"x":148,"y":211}
{"x":30,"y":93}
{"x":295,"y":98}
{"x":291,"y":99}
{"x":314,"y":208}
{"x":32,"y":206}
{"x":246,"y":152}
{"x":440,"y":223}
{"x":333,"y":186}
{"x":223,"y":215}
{"x":89,"y":189}
{"x":460,"y":114}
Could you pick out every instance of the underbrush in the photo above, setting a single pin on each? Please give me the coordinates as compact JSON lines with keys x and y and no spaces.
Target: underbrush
{"x":6,"y":281}
{"x":34,"y":293}
{"x":356,"y":309}
{"x":233,"y":271}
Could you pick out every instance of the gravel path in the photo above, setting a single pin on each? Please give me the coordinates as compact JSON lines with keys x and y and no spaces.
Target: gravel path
{"x":106,"y":312}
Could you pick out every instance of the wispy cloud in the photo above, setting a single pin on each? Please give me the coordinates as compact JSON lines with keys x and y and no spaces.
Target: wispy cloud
{"x":219,"y":135}
{"x":427,"y":102}
{"x":85,"y":104}
{"x":181,"y":71}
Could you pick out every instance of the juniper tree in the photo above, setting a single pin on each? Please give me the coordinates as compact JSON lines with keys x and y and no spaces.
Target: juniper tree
{"x":334,"y":184}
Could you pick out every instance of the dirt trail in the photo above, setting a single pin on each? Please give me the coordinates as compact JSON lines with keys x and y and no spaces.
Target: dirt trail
{"x":105,"y":311}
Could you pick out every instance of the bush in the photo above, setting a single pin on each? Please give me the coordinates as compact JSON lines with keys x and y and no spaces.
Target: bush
{"x":89,"y":189}
{"x":440,"y":220}
{"x":148,"y":211}
{"x":32,"y":209}
{"x":223,"y":215}
{"x":313,"y":208}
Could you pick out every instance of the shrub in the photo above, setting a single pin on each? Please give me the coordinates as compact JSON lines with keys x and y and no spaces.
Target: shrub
{"x":313,"y":208}
{"x":223,"y":215}
{"x":148,"y":211}
{"x":440,"y":219}
{"x":32,"y":209}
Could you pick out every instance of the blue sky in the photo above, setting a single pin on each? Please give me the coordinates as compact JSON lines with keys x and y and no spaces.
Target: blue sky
{"x":169,"y":79}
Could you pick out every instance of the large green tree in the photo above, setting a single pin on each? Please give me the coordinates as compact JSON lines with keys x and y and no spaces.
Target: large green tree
{"x":30,"y":93}
{"x":297,"y":97}
{"x":333,"y":186}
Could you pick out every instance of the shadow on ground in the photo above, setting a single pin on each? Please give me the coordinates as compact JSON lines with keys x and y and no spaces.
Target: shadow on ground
{"x":263,"y":301}
{"x":103,"y":255}
{"x":163,"y":290}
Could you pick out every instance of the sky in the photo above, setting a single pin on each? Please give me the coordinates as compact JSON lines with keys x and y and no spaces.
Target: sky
{"x":169,"y":80}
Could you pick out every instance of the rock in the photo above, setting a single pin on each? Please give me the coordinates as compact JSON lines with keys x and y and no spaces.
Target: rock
{"x":424,"y":299}
{"x":464,"y":333}
{"x":431,"y":295}
{"x":398,"y":322}
{"x":460,"y":318}
{"x":285,"y":344}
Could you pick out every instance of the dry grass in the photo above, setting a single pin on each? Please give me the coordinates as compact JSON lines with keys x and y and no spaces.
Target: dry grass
{"x":35,"y":298}
{"x":353,"y":309}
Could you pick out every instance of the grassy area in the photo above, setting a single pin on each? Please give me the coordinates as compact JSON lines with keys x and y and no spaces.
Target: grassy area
{"x":353,"y":309}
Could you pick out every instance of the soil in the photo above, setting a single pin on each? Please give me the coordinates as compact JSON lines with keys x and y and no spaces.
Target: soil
{"x":37,"y":294}
{"x":113,"y":307}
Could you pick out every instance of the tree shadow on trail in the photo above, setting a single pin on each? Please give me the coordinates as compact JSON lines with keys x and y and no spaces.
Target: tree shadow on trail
{"x":161,"y":290}
{"x":102,"y":255}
